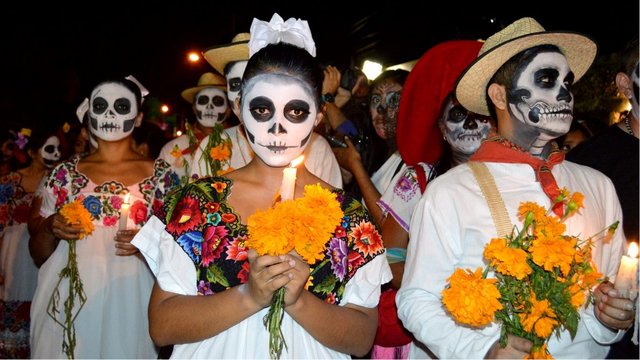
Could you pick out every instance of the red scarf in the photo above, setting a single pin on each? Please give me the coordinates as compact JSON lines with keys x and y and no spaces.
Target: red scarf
{"x":499,"y":149}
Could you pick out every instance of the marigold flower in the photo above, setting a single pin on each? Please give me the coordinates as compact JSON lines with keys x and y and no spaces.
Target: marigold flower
{"x":470,"y":298}
{"x":539,"y":353}
{"x":531,"y":207}
{"x":551,"y":253}
{"x":221,"y":152}
{"x":541,"y":318}
{"x":74,"y":212}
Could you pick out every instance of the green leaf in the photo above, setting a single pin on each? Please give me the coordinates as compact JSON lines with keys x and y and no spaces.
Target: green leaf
{"x":216,"y":276}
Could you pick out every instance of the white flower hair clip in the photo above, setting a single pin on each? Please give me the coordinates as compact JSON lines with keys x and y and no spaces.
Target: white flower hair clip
{"x":292,"y":31}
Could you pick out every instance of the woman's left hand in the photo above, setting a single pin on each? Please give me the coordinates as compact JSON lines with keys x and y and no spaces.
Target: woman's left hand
{"x":299,"y":275}
{"x":123,"y":242}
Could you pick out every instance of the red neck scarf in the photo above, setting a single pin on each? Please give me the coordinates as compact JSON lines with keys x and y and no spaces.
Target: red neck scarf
{"x":499,"y":149}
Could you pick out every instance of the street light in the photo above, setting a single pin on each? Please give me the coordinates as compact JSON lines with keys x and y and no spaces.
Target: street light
{"x":193,"y":56}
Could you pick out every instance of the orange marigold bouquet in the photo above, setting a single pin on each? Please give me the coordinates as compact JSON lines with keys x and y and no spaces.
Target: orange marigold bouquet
{"x":542,"y":277}
{"x":73,"y":212}
{"x":305,"y":225}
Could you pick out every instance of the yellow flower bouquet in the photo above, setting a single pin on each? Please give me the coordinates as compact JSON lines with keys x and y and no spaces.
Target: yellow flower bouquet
{"x":542,"y":277}
{"x":303,"y":225}
{"x":73,"y":212}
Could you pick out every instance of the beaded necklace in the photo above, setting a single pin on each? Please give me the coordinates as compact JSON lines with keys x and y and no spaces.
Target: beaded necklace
{"x":627,"y":124}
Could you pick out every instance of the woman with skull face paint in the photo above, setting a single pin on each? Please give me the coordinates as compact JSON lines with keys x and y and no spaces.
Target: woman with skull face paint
{"x":279,"y":105}
{"x":522,"y":77}
{"x":18,"y":274}
{"x":112,"y":323}
{"x":383,"y":109}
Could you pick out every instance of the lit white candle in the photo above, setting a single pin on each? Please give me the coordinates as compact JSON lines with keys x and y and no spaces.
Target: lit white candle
{"x":627,"y":278}
{"x":288,"y":186}
{"x":124,"y":213}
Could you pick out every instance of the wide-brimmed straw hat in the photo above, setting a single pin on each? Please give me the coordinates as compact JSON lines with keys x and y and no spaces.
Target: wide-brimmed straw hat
{"x":206,"y":80}
{"x":522,"y":34}
{"x":219,"y":56}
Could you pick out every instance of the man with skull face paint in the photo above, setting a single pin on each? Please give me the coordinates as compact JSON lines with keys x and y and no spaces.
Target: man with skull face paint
{"x":279,"y":105}
{"x":18,"y":274}
{"x":231,"y":60}
{"x":523,"y":76}
{"x":189,"y":153}
{"x":112,"y":323}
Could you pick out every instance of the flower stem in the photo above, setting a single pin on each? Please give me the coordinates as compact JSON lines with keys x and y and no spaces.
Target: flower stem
{"x":75,"y":290}
{"x":273,"y":322}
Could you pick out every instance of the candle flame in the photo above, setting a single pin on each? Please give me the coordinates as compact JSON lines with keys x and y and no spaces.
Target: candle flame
{"x":633,"y":250}
{"x":126,"y":198}
{"x":297,"y":161}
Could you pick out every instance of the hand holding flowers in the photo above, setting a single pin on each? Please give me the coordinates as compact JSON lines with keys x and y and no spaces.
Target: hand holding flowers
{"x":542,"y":278}
{"x":304,"y":226}
{"x":75,"y":214}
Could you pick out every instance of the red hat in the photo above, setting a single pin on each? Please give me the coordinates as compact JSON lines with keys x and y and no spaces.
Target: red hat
{"x":430,"y":81}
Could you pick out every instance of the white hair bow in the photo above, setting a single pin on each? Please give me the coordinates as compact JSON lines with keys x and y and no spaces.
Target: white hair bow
{"x":82,"y":109}
{"x":143,"y":90}
{"x":292,"y":31}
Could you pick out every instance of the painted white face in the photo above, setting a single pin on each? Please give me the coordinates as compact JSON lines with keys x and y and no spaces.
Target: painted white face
{"x":541,"y":98}
{"x":210,"y":105}
{"x":50,"y":151}
{"x":112,"y":112}
{"x":463,"y":129}
{"x":234,"y":79}
{"x":634,"y":98}
{"x":279,"y":114}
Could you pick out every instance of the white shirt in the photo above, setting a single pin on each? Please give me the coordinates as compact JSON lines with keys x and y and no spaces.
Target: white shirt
{"x":452,"y":224}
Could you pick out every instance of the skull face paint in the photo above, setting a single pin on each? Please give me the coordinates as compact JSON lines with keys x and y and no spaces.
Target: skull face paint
{"x":384,"y":104}
{"x":234,"y":79}
{"x":210,"y":105}
{"x":279,"y":114}
{"x":50,"y":151}
{"x":112,"y":112}
{"x":463,"y":129}
{"x":541,"y":98}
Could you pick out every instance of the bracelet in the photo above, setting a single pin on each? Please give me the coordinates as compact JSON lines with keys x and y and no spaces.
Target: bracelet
{"x":328,"y":98}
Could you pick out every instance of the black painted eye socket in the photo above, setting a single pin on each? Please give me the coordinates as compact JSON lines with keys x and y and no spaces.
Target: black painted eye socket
{"x":393,"y":100}
{"x":235,"y":84}
{"x":100,"y":105}
{"x":458,"y":114}
{"x":202,"y":100}
{"x":297,"y":111}
{"x":50,"y":149}
{"x":261,"y":108}
{"x":218,"y":100}
{"x":122,"y":106}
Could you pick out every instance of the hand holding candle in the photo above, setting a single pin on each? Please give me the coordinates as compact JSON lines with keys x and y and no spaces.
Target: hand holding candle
{"x":124,"y":213}
{"x":288,"y":186}
{"x":627,"y":278}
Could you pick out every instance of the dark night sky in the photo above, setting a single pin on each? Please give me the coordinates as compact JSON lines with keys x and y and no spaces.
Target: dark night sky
{"x":53,"y":52}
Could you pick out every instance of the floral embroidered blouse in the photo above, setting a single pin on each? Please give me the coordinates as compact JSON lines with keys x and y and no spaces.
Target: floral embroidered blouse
{"x":211,"y":234}
{"x":15,"y":202}
{"x":105,"y":200}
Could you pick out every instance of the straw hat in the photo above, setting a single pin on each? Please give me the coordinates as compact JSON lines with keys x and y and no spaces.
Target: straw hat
{"x":219,"y":56}
{"x":207,"y":79}
{"x":522,"y":34}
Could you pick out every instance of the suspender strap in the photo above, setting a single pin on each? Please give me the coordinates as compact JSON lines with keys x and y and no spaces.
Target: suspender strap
{"x":494,"y":200}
